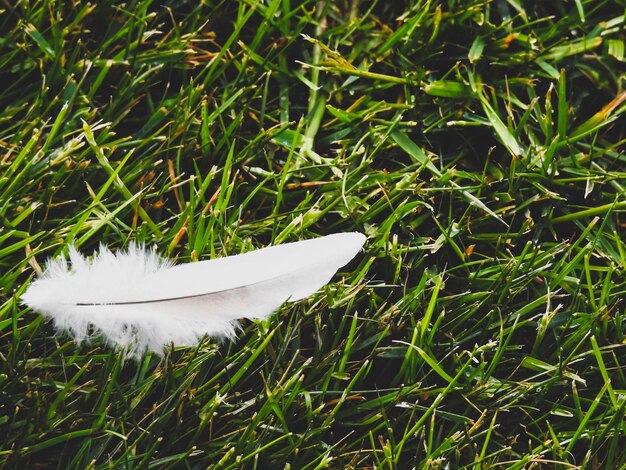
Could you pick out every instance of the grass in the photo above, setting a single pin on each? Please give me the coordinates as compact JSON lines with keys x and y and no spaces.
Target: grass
{"x":480,"y":147}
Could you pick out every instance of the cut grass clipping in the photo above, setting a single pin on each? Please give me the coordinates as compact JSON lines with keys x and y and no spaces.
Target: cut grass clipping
{"x":480,"y":147}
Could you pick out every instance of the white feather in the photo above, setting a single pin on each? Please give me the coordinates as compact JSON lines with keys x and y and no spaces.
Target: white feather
{"x":137,"y":300}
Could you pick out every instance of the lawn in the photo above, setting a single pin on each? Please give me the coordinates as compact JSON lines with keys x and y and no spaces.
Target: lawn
{"x":479,"y":145}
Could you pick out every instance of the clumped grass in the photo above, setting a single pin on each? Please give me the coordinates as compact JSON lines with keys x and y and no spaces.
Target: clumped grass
{"x":478,"y":144}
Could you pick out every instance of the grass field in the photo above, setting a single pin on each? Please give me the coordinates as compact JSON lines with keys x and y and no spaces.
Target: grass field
{"x":480,"y":147}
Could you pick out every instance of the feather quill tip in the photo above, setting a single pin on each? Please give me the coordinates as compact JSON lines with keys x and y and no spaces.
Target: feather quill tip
{"x":138,"y":301}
